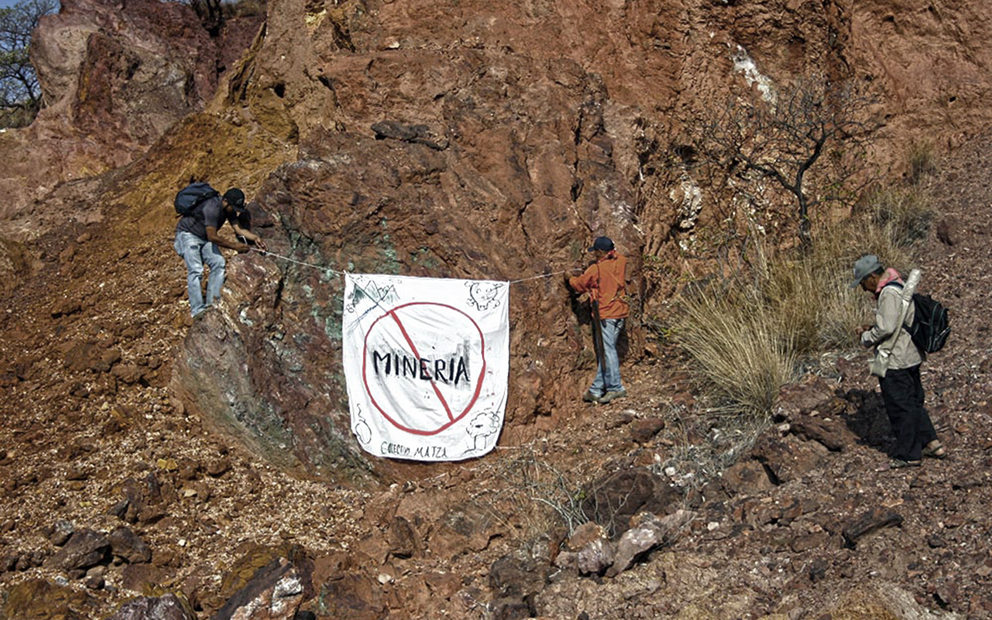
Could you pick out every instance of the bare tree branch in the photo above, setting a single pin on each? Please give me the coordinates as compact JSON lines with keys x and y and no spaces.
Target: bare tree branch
{"x":812,"y":138}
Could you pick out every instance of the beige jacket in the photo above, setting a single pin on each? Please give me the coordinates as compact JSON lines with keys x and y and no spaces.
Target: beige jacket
{"x":904,"y":352}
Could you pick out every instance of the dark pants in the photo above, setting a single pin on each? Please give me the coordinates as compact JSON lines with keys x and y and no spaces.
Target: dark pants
{"x":902,"y":392}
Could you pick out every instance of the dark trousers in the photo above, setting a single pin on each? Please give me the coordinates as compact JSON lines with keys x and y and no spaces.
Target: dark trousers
{"x":902,"y":392}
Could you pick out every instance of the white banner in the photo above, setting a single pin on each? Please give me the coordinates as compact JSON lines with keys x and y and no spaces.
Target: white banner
{"x":426,"y":363}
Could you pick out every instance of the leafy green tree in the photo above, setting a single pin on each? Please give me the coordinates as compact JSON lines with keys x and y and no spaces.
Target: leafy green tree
{"x":20,"y":93}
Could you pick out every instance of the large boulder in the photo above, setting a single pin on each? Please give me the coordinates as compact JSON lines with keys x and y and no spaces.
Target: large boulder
{"x":267,"y":368}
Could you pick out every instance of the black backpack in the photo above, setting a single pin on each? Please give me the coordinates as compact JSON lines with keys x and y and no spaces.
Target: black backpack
{"x":931,"y":323}
{"x":930,"y":327}
{"x":192,"y":196}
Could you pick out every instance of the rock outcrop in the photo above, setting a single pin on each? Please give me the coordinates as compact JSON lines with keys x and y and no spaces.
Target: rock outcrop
{"x":490,"y":146}
{"x":115,"y":77}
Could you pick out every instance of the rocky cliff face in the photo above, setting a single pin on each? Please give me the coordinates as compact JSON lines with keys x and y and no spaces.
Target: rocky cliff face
{"x":464,"y":141}
{"x":142,"y":453}
{"x":114,"y":77}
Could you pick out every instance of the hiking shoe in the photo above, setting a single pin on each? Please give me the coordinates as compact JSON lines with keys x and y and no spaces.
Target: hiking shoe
{"x":589,"y":397}
{"x":199,"y":315}
{"x":611,"y":396}
{"x":899,"y":463}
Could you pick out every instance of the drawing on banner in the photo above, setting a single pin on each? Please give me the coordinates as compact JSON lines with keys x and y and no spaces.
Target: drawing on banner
{"x":378,"y":294}
{"x":481,"y":428}
{"x":426,"y":368}
{"x":361,"y":427}
{"x":482,"y":295}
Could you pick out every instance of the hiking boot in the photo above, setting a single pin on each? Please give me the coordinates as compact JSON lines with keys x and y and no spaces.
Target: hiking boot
{"x":611,"y":396}
{"x":589,"y":397}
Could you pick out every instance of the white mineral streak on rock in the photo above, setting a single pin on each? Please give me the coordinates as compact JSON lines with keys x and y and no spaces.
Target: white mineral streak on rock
{"x":744,"y":64}
{"x":595,"y":557}
{"x":286,"y":594}
{"x":648,"y":533}
{"x":689,"y":200}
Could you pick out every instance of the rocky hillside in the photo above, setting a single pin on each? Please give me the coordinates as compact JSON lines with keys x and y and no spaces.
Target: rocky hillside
{"x":209,"y":468}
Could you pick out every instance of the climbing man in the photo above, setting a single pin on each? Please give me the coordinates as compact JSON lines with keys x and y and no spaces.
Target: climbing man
{"x":902,"y":390}
{"x":605,"y":282}
{"x":197,"y":240}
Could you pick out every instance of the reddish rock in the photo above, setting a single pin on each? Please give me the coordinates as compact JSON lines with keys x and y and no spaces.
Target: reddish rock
{"x":807,"y":542}
{"x":518,"y":576}
{"x":869,"y":522}
{"x":351,"y":595}
{"x":614,"y":499}
{"x":129,"y":373}
{"x":404,"y":541}
{"x":832,"y":433}
{"x":463,"y":528}
{"x":642,"y":431}
{"x":786,"y":459}
{"x":127,"y":545}
{"x":746,"y":477}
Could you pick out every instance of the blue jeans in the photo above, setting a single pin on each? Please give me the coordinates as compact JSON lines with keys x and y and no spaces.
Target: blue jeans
{"x":610,"y":380}
{"x":196,"y":252}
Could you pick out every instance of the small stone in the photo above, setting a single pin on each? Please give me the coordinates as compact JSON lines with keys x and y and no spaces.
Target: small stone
{"x":219,"y":467}
{"x":404,"y":541}
{"x":127,"y":545}
{"x":936,"y":542}
{"x":642,"y":431}
{"x":60,"y":532}
{"x":84,"y":549}
{"x":95,"y":578}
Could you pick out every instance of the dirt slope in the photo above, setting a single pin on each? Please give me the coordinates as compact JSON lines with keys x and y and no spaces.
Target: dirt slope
{"x":88,"y":350}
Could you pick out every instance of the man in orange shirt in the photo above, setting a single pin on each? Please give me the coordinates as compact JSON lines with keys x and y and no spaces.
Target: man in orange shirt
{"x":605,"y":281}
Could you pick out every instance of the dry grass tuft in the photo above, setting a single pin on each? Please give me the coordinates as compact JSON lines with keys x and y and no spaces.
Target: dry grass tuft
{"x":738,"y":347}
{"x":747,"y":333}
{"x":922,"y":162}
{"x":532,"y":496}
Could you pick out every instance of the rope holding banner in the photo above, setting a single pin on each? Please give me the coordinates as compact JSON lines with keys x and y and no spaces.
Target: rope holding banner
{"x":298,"y":262}
{"x":341,"y":273}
